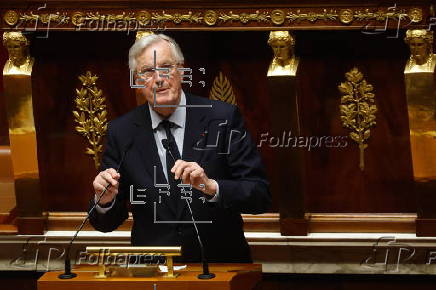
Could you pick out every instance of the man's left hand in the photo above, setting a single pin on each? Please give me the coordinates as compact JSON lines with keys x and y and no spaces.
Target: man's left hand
{"x":192,"y":173}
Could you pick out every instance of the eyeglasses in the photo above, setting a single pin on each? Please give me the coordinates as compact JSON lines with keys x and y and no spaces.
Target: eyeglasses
{"x":146,"y":73}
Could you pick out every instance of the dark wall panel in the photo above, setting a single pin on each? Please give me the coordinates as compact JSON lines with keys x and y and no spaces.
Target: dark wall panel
{"x":333,"y":182}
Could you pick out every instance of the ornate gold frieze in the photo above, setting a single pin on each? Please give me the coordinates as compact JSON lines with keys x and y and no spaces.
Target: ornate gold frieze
{"x":357,"y":109}
{"x":176,"y":18}
{"x":59,"y":18}
{"x":312,"y":16}
{"x":91,"y":115}
{"x":244,"y":17}
{"x":277,"y":17}
{"x":222,"y":90}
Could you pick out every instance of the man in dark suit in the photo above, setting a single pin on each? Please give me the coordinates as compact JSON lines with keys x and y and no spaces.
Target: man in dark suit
{"x":175,"y":141}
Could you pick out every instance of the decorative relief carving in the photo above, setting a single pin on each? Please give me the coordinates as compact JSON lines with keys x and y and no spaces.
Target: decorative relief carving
{"x":346,"y":16}
{"x":358,"y":109}
{"x":222,"y":90}
{"x":91,"y":115}
{"x":209,"y":17}
{"x":415,"y":15}
{"x":312,"y":16}
{"x":278,"y":17}
{"x":10,"y":17}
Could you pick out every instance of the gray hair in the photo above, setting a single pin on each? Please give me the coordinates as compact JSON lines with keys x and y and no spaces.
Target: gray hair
{"x":141,"y":44}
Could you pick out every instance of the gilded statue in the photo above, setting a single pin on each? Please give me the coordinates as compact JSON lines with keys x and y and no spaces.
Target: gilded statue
{"x":420,"y":84}
{"x":17,"y":83}
{"x":420,"y":43}
{"x":19,"y":61}
{"x":284,"y":62}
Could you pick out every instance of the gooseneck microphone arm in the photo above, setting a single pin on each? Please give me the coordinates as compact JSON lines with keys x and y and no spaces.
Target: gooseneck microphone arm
{"x":67,"y":268}
{"x":206,"y":274}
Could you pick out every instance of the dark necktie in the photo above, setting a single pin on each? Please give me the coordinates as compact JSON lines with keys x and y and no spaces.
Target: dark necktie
{"x":172,"y":149}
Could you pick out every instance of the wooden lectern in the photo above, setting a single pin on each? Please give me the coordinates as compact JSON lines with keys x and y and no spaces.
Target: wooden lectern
{"x":228,"y":276}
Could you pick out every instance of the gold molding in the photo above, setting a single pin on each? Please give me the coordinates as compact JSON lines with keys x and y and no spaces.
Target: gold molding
{"x":91,"y":115}
{"x":200,"y":17}
{"x":10,"y":17}
{"x":222,"y":90}
{"x":357,"y":109}
{"x":346,"y":16}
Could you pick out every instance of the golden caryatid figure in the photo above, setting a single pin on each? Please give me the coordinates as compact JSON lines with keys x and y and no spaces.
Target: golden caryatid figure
{"x":284,"y":62}
{"x":17,"y":83}
{"x":421,"y":59}
{"x":19,"y":61}
{"x":419,"y":76}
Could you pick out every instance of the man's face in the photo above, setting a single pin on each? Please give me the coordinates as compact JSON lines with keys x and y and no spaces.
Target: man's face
{"x":419,"y":50}
{"x":167,"y":84}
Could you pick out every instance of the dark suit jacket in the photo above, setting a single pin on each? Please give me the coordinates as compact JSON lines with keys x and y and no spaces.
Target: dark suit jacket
{"x":216,"y":139}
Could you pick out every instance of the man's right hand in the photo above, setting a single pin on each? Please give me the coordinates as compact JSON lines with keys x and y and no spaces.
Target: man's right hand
{"x":108,"y":176}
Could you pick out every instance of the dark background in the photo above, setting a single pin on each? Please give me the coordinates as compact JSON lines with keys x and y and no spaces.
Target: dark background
{"x":334,"y":182}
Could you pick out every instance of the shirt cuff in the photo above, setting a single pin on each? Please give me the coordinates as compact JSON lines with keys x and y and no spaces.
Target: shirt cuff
{"x":216,"y":197}
{"x":100,"y":209}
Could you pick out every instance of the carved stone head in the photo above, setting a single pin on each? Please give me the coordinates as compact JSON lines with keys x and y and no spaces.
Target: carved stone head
{"x":420,"y":42}
{"x":282,"y":44}
{"x":18,"y":47}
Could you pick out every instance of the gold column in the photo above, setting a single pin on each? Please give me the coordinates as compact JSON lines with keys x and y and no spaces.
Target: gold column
{"x":419,"y":75}
{"x":285,"y":120}
{"x":18,"y":95}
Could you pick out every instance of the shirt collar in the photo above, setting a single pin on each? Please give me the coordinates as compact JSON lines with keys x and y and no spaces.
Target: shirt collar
{"x":178,"y":117}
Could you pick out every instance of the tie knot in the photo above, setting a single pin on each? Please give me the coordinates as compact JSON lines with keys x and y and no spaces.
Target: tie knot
{"x":167,"y":124}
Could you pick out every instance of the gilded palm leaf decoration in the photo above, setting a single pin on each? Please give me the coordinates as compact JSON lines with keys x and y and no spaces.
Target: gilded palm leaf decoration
{"x":91,"y":115}
{"x":222,"y":90}
{"x":358,"y":109}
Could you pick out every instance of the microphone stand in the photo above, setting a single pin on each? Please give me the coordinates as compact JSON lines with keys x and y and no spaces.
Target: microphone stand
{"x":206,"y":274}
{"x":67,"y":267}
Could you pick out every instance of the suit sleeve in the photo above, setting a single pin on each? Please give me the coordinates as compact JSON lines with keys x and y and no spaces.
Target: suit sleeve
{"x":247,"y":190}
{"x":113,"y":218}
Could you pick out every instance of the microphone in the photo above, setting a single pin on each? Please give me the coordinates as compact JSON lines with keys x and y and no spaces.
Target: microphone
{"x":67,"y":268}
{"x":206,"y":274}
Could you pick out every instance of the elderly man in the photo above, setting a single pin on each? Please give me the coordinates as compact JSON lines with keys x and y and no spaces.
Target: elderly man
{"x":166,"y":142}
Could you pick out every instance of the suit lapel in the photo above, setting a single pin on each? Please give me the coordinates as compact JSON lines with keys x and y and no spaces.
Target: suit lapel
{"x":194,"y":128}
{"x":146,"y":147}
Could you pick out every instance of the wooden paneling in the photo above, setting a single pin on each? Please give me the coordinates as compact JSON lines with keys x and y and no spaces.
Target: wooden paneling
{"x":23,"y":280}
{"x":67,"y":221}
{"x":66,"y":172}
{"x":362,"y":223}
{"x":315,"y":223}
{"x":334,"y":181}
